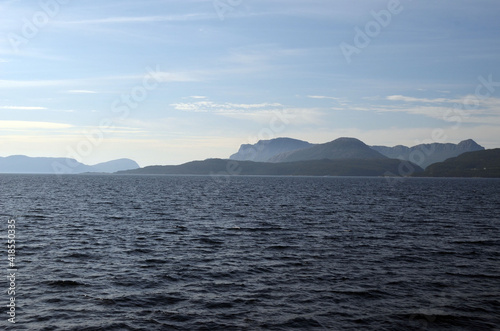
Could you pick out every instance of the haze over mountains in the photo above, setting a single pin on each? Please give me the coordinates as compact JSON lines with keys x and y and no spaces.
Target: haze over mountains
{"x":287,"y":156}
{"x":427,"y":154}
{"x":289,"y":150}
{"x":48,"y":165}
{"x":264,"y":150}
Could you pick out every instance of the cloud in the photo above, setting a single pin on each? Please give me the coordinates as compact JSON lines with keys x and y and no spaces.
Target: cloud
{"x":22,"y":108}
{"x":261,"y":113}
{"x":81,"y":91}
{"x":140,"y":19}
{"x":212,"y":107}
{"x":324,"y":97}
{"x":424,"y":100}
{"x":31,"y":83}
{"x":36,"y":108}
{"x":412,"y":99}
{"x":26,"y":125}
{"x":468,"y":109}
{"x":160,"y":76}
{"x":296,"y":117}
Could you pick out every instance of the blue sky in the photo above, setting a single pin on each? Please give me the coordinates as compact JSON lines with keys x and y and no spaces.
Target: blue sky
{"x":169,"y":81}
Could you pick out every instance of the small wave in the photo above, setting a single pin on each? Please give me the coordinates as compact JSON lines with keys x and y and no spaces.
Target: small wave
{"x":145,"y":300}
{"x":219,"y":305}
{"x":279,"y":247}
{"x":116,"y":326}
{"x":157,"y":261}
{"x":140,"y":250}
{"x":65,"y":283}
{"x":440,"y":319}
{"x":302,"y":323}
{"x":118,"y":218}
{"x":474,"y":275}
{"x":210,"y":241}
{"x":476,"y":242}
{"x":172,"y":316}
{"x":368,"y":294}
{"x":79,"y":256}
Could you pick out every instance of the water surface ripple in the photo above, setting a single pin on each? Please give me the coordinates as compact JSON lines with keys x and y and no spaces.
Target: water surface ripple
{"x":253,"y":253}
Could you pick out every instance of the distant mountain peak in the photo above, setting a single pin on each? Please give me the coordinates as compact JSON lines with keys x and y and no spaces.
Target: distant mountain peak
{"x":52,"y":165}
{"x":427,"y":154}
{"x":348,"y":141}
{"x":115,"y":165}
{"x":470,"y":144}
{"x":340,"y":148}
{"x":264,"y":150}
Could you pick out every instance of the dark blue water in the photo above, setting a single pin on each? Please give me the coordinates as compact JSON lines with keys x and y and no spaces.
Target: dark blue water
{"x":252,"y":253}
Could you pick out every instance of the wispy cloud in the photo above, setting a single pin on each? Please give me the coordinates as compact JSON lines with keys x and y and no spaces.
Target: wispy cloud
{"x":290,"y":117}
{"x":31,"y":83}
{"x":256,"y":112}
{"x":81,"y":92}
{"x":141,"y":19}
{"x":161,"y":76}
{"x":421,"y":100}
{"x":26,"y":125}
{"x":22,"y":108}
{"x":470,"y":103}
{"x":324,"y":97}
{"x":340,"y":102}
{"x":212,"y":107}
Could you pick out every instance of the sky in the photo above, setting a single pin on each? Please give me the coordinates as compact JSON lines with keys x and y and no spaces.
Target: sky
{"x":170,"y":81}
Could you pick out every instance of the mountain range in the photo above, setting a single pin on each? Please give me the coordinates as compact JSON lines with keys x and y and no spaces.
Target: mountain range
{"x":324,"y":167}
{"x":289,"y":150}
{"x":287,"y":156}
{"x":49,"y":165}
{"x":339,"y":149}
{"x":426,"y":154}
{"x":471,"y":164}
{"x":341,"y":157}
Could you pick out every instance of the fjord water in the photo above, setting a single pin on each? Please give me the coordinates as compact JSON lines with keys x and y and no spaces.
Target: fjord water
{"x":253,"y":253}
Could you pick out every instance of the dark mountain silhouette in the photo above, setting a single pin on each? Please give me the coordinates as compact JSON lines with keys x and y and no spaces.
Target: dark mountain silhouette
{"x":49,"y":165}
{"x":341,"y":148}
{"x":264,"y":150}
{"x":471,"y":164}
{"x":287,"y":149}
{"x":325,"y":167}
{"x":427,"y":154}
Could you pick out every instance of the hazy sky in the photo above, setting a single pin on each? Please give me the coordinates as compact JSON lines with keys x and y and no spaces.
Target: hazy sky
{"x":169,"y":81}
